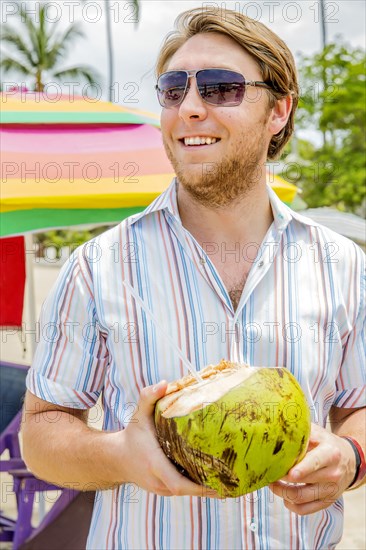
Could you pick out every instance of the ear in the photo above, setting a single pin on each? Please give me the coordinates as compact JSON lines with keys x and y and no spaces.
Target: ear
{"x":279,"y":114}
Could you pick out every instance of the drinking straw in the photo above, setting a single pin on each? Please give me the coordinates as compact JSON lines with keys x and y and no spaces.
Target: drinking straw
{"x":186,"y":363}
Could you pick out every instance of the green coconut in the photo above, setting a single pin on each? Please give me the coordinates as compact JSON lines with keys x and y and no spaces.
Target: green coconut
{"x":238,"y":430}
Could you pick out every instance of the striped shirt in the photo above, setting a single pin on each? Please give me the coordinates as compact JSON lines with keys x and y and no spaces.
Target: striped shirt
{"x":302,"y":307}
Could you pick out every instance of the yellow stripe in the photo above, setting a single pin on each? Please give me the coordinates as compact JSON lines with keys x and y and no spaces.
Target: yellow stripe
{"x":78,"y":106}
{"x":106,"y":193}
{"x":28,"y":102}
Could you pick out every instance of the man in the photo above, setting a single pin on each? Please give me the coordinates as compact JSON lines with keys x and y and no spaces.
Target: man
{"x":295,"y":301}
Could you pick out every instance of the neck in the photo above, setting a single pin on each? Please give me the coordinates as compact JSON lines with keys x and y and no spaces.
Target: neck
{"x":245,"y":221}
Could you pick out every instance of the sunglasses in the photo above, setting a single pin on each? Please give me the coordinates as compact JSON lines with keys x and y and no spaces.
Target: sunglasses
{"x":215,"y":86}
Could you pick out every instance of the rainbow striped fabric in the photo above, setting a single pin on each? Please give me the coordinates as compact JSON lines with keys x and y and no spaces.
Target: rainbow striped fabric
{"x":67,"y":161}
{"x":303,"y":307}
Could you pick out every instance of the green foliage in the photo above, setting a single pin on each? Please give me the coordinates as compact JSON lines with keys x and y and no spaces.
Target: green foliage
{"x":60,"y":238}
{"x":38,"y":48}
{"x":333,"y":100}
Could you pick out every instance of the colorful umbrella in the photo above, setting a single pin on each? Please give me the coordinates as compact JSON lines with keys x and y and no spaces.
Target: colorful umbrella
{"x":36,"y":108}
{"x":72,"y":162}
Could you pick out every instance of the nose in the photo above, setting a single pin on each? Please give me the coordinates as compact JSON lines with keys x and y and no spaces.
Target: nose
{"x":192,"y":105}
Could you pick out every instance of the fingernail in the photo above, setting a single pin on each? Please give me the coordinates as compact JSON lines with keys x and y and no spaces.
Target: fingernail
{"x":157,"y":386}
{"x":296,"y":474}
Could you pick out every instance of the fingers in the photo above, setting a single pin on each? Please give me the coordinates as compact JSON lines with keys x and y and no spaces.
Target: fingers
{"x":307,"y":508}
{"x":149,"y":396}
{"x":160,"y":475}
{"x":301,"y":494}
{"x":314,"y":461}
{"x":318,"y":476}
{"x":175,"y":482}
{"x":306,"y":498}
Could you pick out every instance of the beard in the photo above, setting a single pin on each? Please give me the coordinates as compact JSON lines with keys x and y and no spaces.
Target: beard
{"x":220,"y":184}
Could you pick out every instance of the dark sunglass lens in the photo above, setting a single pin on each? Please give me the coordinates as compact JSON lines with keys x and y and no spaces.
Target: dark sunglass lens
{"x":171,"y":88}
{"x":221,"y":87}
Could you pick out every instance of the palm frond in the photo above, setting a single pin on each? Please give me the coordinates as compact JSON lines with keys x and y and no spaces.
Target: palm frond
{"x":31,"y":28}
{"x":72,"y":32}
{"x":43,"y":37}
{"x":12,"y":37}
{"x":8,"y":64}
{"x":82,"y":71}
{"x":136,"y":5}
{"x":61,"y":44}
{"x":41,"y":46}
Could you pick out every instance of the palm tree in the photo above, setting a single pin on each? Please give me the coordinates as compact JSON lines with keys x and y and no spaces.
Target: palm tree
{"x":39,"y":48}
{"x":136,"y":8}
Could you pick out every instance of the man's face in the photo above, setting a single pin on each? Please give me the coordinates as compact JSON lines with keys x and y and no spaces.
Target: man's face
{"x":217,"y":174}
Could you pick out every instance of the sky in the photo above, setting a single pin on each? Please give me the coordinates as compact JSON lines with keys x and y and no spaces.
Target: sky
{"x":136,"y":46}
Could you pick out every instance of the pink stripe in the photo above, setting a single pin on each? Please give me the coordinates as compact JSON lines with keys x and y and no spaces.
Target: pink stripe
{"x":82,"y":140}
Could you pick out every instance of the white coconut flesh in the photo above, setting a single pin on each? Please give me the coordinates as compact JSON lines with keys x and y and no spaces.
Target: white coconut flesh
{"x":187,"y":395}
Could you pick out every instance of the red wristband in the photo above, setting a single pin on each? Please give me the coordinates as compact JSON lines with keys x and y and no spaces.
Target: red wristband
{"x":360,"y":461}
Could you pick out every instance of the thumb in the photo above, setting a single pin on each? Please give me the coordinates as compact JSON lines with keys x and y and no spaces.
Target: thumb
{"x":149,"y":396}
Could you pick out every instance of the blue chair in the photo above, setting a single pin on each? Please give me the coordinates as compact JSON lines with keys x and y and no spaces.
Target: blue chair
{"x":66,"y":525}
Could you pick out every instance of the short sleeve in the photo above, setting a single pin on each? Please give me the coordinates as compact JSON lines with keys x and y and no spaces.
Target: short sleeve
{"x":351,"y":382}
{"x":71,"y":355}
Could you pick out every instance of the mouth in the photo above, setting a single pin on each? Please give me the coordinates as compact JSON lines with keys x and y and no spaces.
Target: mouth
{"x":194,"y":144}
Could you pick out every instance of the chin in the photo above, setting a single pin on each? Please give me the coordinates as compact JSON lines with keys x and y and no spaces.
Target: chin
{"x":189,"y":178}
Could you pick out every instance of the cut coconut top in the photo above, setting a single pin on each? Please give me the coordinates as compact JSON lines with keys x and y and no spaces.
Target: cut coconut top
{"x":187,"y":395}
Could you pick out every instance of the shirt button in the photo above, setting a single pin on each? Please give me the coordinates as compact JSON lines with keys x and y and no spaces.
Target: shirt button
{"x":253,"y":526}
{"x":261,"y":264}
{"x":202,"y":261}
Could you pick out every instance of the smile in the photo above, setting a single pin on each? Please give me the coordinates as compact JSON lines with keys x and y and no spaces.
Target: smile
{"x":198,"y":140}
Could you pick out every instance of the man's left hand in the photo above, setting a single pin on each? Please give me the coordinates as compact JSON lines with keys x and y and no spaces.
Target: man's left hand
{"x":325,"y":472}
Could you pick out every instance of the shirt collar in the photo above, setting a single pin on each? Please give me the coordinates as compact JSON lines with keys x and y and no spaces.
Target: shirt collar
{"x":166,"y":201}
{"x":282,"y":214}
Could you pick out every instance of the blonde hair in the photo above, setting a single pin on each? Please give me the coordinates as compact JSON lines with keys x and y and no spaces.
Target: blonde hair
{"x":273,"y":57}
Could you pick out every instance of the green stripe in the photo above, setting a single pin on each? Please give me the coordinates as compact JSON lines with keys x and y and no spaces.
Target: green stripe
{"x":34,"y":117}
{"x":40,"y":219}
{"x":21,"y":221}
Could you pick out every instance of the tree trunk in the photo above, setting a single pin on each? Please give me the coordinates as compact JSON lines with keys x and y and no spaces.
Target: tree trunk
{"x":39,"y":83}
{"x":110,"y":50}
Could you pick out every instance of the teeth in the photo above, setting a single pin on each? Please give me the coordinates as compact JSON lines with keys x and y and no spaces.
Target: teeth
{"x":199,"y":140}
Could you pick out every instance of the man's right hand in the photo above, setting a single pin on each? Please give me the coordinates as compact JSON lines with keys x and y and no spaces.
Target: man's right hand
{"x":142,"y":460}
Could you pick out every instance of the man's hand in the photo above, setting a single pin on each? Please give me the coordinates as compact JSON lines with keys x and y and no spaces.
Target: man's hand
{"x":142,"y":460}
{"x":326,"y":471}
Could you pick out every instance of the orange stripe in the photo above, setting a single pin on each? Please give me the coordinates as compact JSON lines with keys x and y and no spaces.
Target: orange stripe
{"x":126,"y":301}
{"x":69,"y":166}
{"x":192,"y":522}
{"x":245,"y":522}
{"x":168,"y":266}
{"x":315,"y":384}
{"x":66,"y":319}
{"x":113,"y":515}
{"x":277,"y":288}
{"x":291,"y":515}
{"x":147,"y":521}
